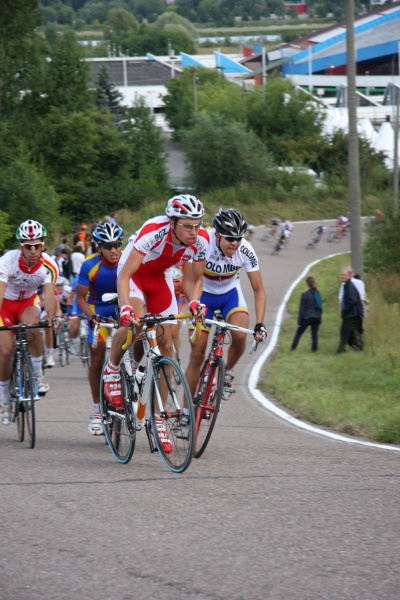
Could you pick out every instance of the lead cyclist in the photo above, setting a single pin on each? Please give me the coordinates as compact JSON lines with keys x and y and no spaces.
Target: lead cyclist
{"x":228,"y":252}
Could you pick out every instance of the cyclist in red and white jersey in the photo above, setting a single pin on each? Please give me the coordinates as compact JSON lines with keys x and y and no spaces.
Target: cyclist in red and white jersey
{"x":22,"y":271}
{"x":228,"y":252}
{"x":145,"y":278}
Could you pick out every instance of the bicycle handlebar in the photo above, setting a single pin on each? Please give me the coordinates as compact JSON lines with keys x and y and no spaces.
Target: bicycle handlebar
{"x":152,"y":320}
{"x":19,"y":326}
{"x":224,"y":325}
{"x":100,"y":325}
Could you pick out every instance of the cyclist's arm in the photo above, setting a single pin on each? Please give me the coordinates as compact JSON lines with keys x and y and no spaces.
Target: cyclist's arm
{"x":3,"y":286}
{"x":130,"y":267}
{"x":50,"y":302}
{"x":192,"y":281}
{"x":260,"y":299}
{"x":81,"y":294}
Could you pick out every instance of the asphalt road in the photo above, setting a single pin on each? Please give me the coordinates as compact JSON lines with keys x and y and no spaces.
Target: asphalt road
{"x":269,"y":512}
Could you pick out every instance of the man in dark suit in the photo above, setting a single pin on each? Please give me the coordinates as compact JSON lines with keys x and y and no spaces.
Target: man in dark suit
{"x":352,"y":313}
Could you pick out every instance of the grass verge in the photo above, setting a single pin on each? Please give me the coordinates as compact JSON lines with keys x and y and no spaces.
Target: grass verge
{"x":356,"y":393}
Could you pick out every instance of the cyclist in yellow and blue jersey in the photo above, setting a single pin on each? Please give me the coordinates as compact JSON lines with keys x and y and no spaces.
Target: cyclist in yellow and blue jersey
{"x":98,"y":275}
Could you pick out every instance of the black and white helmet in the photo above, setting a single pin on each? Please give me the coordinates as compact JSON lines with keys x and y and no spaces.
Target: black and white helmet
{"x":31,"y":230}
{"x":185,"y":205}
{"x":229,"y":222}
{"x":108,"y":232}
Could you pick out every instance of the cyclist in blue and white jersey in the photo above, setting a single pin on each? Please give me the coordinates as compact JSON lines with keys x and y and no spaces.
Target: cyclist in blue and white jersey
{"x":228,"y":252}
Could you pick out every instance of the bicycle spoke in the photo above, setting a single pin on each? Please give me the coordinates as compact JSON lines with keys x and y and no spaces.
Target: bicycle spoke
{"x":174,"y":443}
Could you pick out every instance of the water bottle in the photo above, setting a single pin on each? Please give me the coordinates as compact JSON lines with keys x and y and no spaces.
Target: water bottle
{"x":138,"y":378}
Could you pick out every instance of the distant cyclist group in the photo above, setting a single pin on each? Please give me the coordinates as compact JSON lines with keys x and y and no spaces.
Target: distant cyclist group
{"x":144,"y":276}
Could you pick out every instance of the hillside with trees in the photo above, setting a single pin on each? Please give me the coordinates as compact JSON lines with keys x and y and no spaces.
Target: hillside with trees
{"x":78,"y":13}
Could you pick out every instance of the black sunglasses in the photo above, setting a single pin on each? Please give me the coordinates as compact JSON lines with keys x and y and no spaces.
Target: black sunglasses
{"x":232,"y":239}
{"x":111,"y":245}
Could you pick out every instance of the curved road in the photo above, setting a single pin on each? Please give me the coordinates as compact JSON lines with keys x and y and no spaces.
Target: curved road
{"x":270,"y":512}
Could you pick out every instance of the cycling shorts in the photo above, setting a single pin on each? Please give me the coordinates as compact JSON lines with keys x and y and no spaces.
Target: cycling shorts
{"x":11,"y":310}
{"x":156,"y":291}
{"x":105,"y":312}
{"x":230,"y":303}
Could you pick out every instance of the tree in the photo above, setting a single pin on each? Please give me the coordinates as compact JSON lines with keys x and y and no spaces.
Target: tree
{"x":5,"y":229}
{"x":107,"y":96}
{"x":119,"y":22}
{"x":223,"y":153}
{"x":27,"y":194}
{"x":286,"y":114}
{"x":382,"y":248}
{"x":18,"y":19}
{"x":213,"y":91}
{"x":68,"y":76}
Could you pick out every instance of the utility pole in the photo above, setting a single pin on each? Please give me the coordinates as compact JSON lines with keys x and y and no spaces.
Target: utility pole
{"x":353,"y":148}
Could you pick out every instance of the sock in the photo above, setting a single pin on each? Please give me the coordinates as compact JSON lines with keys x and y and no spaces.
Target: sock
{"x":185,"y":411}
{"x":111,"y":367}
{"x":49,"y":351}
{"x":96,"y":407}
{"x":4,"y":390}
{"x":37,"y":365}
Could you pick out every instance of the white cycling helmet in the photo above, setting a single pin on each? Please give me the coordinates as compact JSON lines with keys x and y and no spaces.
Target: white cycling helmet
{"x":176,"y":273}
{"x":62,"y":281}
{"x":185,"y":205}
{"x":30,"y":230}
{"x":108,"y":232}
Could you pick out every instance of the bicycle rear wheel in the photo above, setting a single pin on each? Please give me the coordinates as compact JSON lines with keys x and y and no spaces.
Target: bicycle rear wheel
{"x":27,"y":402}
{"x":207,"y":402}
{"x":119,"y":423}
{"x":178,"y":454}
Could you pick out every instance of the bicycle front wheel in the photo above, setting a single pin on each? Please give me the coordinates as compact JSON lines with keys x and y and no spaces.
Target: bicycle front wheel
{"x":84,"y":352}
{"x":207,"y":402}
{"x":119,"y":423}
{"x":27,"y":402}
{"x":174,"y":443}
{"x":17,"y":415}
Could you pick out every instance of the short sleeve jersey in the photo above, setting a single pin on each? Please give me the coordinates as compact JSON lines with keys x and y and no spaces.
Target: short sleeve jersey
{"x":221,"y":273}
{"x":22,"y":281}
{"x":100,"y":277}
{"x":153,"y":240}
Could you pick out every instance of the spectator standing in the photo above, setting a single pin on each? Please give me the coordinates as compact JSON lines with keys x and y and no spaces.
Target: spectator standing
{"x":80,"y":237}
{"x":352,"y":313}
{"x":310,"y":313}
{"x":77,"y":258}
{"x":113,"y":218}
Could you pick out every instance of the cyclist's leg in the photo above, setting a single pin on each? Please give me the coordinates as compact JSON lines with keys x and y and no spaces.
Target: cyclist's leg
{"x":196,"y":359}
{"x":197,"y":352}
{"x":238,"y":345}
{"x":235,"y":312}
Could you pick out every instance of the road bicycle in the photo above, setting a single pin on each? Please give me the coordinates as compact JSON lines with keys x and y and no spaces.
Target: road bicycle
{"x":280,"y":244}
{"x":23,"y":386}
{"x":209,"y":391}
{"x":64,"y":343}
{"x":147,"y":394}
{"x":314,"y":239}
{"x":84,"y":353}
